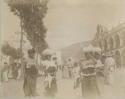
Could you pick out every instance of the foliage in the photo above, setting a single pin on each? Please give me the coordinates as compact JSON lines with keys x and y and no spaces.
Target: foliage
{"x":6,"y":49}
{"x":31,"y":15}
{"x":11,"y":51}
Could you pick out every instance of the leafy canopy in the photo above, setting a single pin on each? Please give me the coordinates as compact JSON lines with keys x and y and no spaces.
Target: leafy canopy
{"x":31,"y":15}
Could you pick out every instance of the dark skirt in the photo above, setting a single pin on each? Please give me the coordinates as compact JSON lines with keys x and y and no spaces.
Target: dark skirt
{"x":52,"y":90}
{"x":89,"y":87}
{"x":30,"y":80}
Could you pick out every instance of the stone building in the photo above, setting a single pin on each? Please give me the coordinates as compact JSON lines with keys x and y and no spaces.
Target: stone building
{"x":112,"y":41}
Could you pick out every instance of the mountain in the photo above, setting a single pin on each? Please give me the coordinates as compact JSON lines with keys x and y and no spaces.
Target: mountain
{"x":74,"y":51}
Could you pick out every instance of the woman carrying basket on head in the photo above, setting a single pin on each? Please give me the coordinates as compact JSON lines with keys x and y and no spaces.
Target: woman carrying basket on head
{"x":88,"y":76}
{"x":50,"y":79}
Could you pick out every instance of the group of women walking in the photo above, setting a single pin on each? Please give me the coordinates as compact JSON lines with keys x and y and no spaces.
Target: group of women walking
{"x":86,"y":72}
{"x":95,"y":69}
{"x":32,"y":73}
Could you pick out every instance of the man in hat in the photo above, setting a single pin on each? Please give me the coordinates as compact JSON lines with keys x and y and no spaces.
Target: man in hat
{"x":110,"y":66}
{"x":76,"y":72}
{"x":99,"y":65}
{"x":19,"y":70}
{"x":70,"y":67}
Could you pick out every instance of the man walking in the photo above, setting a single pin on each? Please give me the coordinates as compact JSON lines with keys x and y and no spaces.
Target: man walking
{"x":110,"y":66}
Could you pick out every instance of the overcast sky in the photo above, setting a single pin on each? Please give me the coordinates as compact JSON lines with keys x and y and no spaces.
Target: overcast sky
{"x":70,"y":21}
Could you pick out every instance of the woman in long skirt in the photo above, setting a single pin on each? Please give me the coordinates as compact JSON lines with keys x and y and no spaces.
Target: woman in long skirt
{"x":30,"y":77}
{"x":88,"y":83}
{"x":4,"y":73}
{"x":50,"y":80}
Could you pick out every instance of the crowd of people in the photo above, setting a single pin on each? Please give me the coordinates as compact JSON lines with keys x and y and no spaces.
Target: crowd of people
{"x":85,"y":73}
{"x":10,"y":71}
{"x":88,"y":71}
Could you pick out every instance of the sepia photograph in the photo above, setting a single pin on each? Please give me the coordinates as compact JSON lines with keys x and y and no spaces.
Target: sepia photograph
{"x":62,"y":49}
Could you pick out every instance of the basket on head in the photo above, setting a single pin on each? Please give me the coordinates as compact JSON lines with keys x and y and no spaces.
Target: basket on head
{"x":48,"y":52}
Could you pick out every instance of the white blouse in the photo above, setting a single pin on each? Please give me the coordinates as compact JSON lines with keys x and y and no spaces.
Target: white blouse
{"x":48,"y":64}
{"x":30,"y":62}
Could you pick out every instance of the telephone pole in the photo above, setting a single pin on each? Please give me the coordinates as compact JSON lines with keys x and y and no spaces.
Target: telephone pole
{"x":21,"y":47}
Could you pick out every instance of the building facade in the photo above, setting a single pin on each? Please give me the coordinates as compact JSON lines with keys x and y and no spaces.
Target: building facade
{"x":112,"y":41}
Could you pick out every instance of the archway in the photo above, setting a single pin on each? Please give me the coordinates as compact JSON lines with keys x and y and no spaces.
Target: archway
{"x":118,"y":59}
{"x":105,"y":45}
{"x":100,"y":44}
{"x":123,"y":58}
{"x":111,"y":44}
{"x":117,"y":41}
{"x":123,"y":38}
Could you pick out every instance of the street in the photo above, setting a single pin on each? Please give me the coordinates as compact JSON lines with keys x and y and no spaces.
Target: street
{"x":80,"y":40}
{"x":14,"y":88}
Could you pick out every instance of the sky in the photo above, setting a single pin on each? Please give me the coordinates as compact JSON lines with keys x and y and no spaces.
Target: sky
{"x":68,"y":21}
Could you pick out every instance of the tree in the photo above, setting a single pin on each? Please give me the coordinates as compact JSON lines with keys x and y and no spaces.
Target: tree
{"x":17,"y":54}
{"x":31,"y":13}
{"x":6,"y":49}
{"x":11,"y":51}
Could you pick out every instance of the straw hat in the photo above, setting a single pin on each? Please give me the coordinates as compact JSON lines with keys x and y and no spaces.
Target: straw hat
{"x":48,"y":52}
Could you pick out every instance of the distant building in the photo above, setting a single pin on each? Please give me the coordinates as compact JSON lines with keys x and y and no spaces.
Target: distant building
{"x":112,"y":41}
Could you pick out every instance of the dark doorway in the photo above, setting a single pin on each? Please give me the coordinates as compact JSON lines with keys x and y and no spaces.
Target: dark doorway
{"x":118,"y":59}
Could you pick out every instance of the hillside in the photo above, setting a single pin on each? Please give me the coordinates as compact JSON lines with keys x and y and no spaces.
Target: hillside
{"x":74,"y":50}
